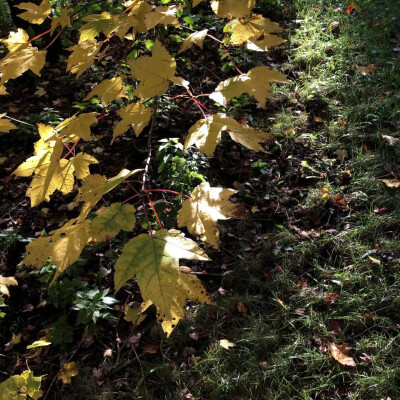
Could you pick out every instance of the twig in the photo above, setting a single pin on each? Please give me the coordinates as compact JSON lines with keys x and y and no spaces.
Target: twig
{"x":21,"y":122}
{"x":147,"y":165}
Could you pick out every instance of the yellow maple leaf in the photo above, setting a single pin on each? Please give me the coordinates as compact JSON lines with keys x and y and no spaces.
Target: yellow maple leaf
{"x":17,"y":387}
{"x":110,"y":221}
{"x":196,"y":2}
{"x":155,"y":72}
{"x":35,"y":14}
{"x":154,"y":260}
{"x":81,"y":164}
{"x":201,"y":213}
{"x":135,"y":314}
{"x":43,"y":151}
{"x":136,"y":116}
{"x":97,"y":23}
{"x":67,"y":371}
{"x":7,"y":281}
{"x":6,"y":125}
{"x":64,"y":20}
{"x":206,"y":134}
{"x":16,"y":40}
{"x":108,"y":90}
{"x":68,"y":244}
{"x":196,"y":38}
{"x":263,"y":42}
{"x":82,"y":56}
{"x":232,"y":8}
{"x":16,"y":63}
{"x":95,"y":186}
{"x":66,"y":184}
{"x":139,"y":10}
{"x":164,"y":15}
{"x":244,"y":29}
{"x":47,"y":176}
{"x":124,"y":24}
{"x":78,"y":125}
{"x":257,"y":83}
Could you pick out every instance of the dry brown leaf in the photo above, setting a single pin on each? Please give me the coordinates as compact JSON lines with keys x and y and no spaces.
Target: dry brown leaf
{"x":341,"y":353}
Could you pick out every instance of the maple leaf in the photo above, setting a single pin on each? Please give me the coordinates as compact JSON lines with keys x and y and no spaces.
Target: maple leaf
{"x":16,"y":40}
{"x":63,"y":246}
{"x":3,"y":91}
{"x":68,"y":244}
{"x":154,"y":260}
{"x":66,"y":183}
{"x":6,"y":125}
{"x":82,"y":56}
{"x":95,"y":186}
{"x":124,"y":24}
{"x":341,"y":353}
{"x":108,"y":91}
{"x":78,"y":125}
{"x":206,"y":134}
{"x":18,"y":386}
{"x":201,"y":213}
{"x":257,"y":83}
{"x":232,"y":8}
{"x":35,"y":14}
{"x":110,"y":221}
{"x":81,"y":164}
{"x":139,"y":10}
{"x":263,"y":42}
{"x":97,"y":23}
{"x":64,"y":20}
{"x":44,"y":148}
{"x":252,"y":27}
{"x":165,"y":15}
{"x":7,"y":281}
{"x":155,"y":72}
{"x":16,"y":63}
{"x":136,"y":116}
{"x":67,"y":371}
{"x":195,"y":38}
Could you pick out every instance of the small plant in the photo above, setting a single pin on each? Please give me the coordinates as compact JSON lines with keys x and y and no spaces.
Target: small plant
{"x":93,"y":305}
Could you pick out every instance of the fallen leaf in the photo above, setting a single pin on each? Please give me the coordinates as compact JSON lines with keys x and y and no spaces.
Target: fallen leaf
{"x":353,"y":6}
{"x":390,"y":140}
{"x":392,"y":183}
{"x":341,"y":353}
{"x":226,"y":344}
{"x":67,"y":371}
{"x":374,"y":260}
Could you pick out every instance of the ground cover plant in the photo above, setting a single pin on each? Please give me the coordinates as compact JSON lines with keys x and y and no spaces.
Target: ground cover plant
{"x":303,"y":284}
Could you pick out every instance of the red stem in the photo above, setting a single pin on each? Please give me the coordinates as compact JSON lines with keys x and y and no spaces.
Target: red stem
{"x":154,"y":210}
{"x":233,"y":63}
{"x":58,"y":34}
{"x":38,"y":36}
{"x":122,"y":59}
{"x":66,"y":146}
{"x":168,"y":191}
{"x":147,"y":218}
{"x":72,"y":148}
{"x":198,"y":106}
{"x":102,"y":116}
{"x":201,"y":104}
{"x":130,"y":198}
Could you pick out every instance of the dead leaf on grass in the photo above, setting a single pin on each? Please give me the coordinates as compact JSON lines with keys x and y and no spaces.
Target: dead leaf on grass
{"x":341,"y":353}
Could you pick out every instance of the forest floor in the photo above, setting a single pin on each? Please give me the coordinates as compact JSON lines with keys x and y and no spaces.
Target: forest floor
{"x":317,"y":264}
